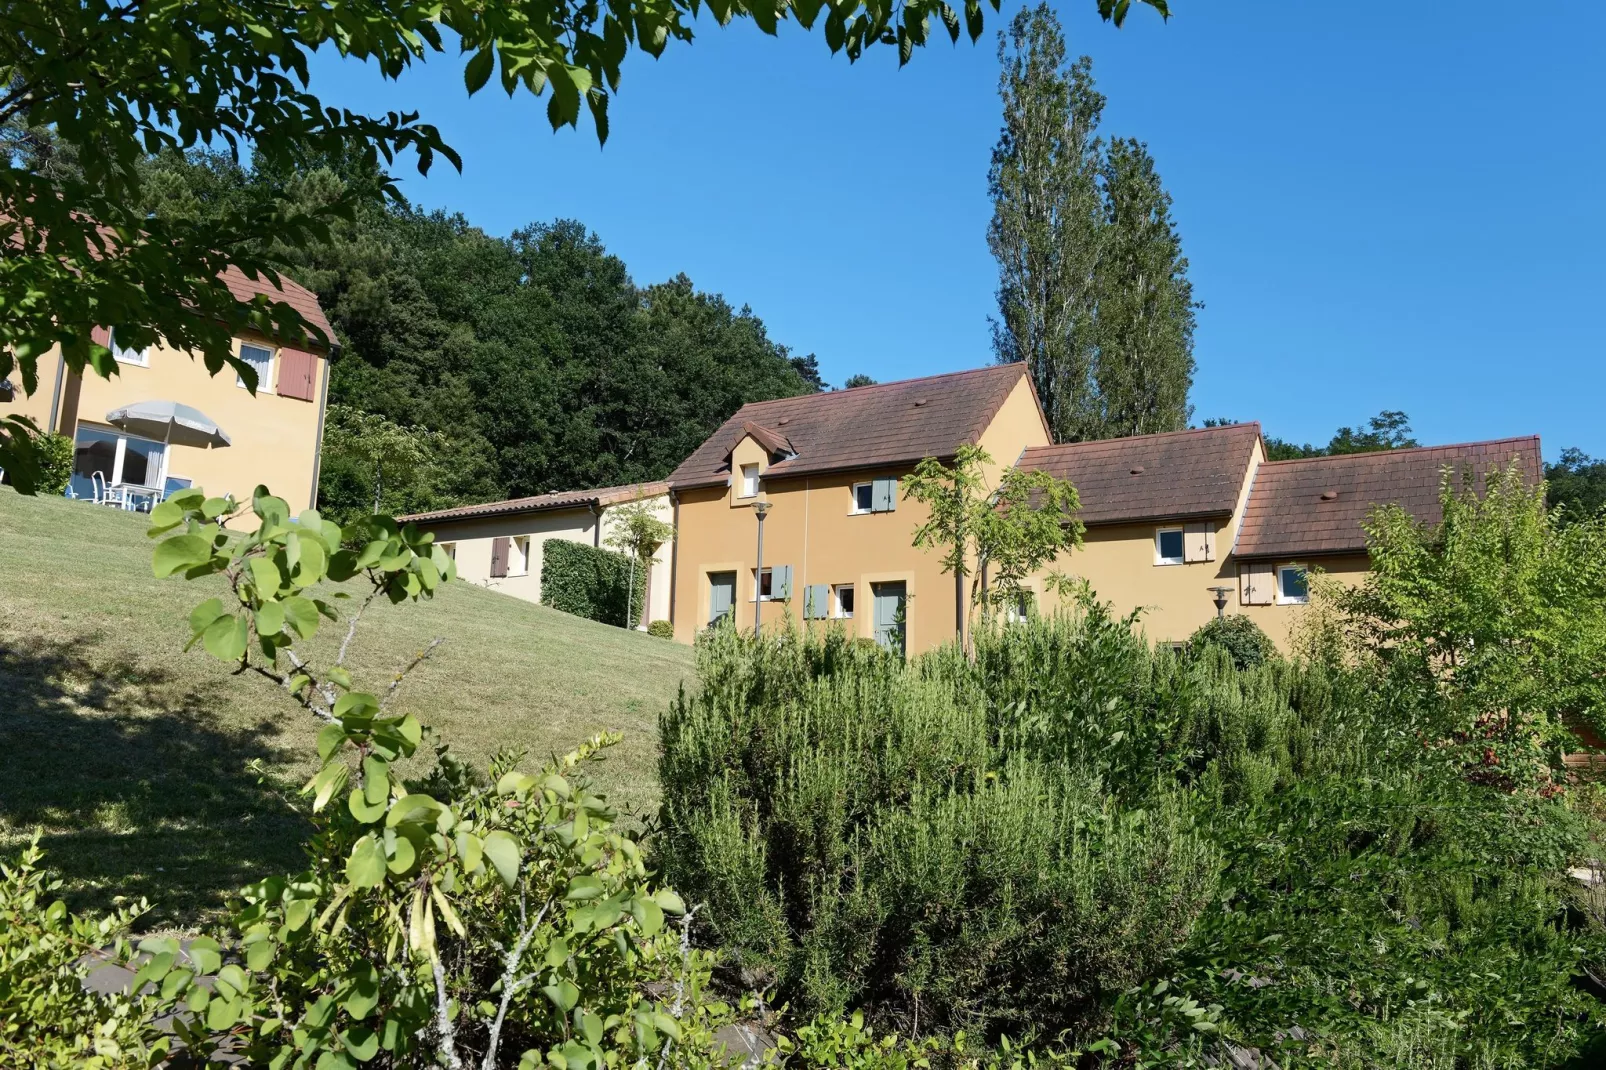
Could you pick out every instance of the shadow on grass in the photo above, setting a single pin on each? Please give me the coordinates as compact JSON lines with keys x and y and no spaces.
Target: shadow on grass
{"x":140,"y":780}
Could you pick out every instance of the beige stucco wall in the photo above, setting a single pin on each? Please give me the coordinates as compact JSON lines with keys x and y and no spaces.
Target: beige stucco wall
{"x":811,"y":526}
{"x":472,"y":539}
{"x":274,"y":439}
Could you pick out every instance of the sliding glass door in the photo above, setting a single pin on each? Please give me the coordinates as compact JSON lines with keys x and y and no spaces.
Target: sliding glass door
{"x":120,"y":459}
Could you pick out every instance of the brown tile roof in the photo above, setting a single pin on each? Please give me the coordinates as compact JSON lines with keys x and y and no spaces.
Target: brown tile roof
{"x":560,"y":499}
{"x":1153,"y":477}
{"x":291,"y":293}
{"x":773,"y":441}
{"x":866,"y":427}
{"x":1288,"y":514}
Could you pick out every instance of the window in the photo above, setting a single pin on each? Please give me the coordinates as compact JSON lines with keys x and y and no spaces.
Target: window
{"x":449,"y":549}
{"x":1293,"y":585}
{"x":862,"y":497}
{"x":260,"y":358}
{"x":766,"y":584}
{"x":1019,"y":608}
{"x":1168,"y":546}
{"x":137,"y":357}
{"x":749,"y":488}
{"x":118,"y":459}
{"x":842,"y":599}
{"x":518,"y":556}
{"x":774,"y":583}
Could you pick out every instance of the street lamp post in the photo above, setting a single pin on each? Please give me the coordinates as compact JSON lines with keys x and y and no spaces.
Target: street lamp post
{"x":759,"y":509}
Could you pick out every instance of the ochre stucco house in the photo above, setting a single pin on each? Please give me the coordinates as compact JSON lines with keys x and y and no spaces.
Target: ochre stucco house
{"x":837,"y":533}
{"x":274,"y":435}
{"x":1173,"y":520}
{"x":499,"y":544}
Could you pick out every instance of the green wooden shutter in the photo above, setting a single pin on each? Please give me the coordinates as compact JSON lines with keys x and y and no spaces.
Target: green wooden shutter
{"x":816,"y":601}
{"x":781,"y":581}
{"x":884,"y":496}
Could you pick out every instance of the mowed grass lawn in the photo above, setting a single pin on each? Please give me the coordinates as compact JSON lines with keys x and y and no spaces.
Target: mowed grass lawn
{"x":156,"y":772}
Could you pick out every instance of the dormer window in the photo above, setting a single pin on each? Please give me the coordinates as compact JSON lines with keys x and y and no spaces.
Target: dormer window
{"x":749,"y":484}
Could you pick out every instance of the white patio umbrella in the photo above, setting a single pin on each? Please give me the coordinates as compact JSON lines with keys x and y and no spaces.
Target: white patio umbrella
{"x":173,"y":423}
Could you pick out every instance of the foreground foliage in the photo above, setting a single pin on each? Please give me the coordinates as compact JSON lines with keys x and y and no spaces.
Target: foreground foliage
{"x":1054,"y":839}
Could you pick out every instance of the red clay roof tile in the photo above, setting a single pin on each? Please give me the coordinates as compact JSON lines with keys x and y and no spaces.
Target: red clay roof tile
{"x":866,"y":427}
{"x":1153,"y":477}
{"x":1289,"y":515}
{"x":560,"y":499}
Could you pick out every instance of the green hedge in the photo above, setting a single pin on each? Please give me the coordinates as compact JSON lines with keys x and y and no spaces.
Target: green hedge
{"x":589,"y":582}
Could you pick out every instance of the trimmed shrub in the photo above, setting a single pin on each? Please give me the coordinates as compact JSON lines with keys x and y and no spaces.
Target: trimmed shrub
{"x":1239,"y":636}
{"x":590,"y":582}
{"x":663,"y":629}
{"x":55,"y":464}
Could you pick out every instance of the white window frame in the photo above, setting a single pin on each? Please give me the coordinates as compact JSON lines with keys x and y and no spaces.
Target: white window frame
{"x":138,"y":358}
{"x":767,"y":572}
{"x":1159,"y":556}
{"x":1019,"y":609}
{"x":836,"y":601}
{"x":264,"y":381}
{"x":1284,"y":600}
{"x":120,"y":452}
{"x":869,"y":489}
{"x":518,"y":548}
{"x":746,"y":489}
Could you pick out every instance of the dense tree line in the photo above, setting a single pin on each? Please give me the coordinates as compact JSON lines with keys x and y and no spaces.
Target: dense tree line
{"x":536,"y":357}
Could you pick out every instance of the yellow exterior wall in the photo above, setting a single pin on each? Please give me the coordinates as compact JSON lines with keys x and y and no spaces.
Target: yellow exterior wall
{"x":471,"y":539}
{"x":274,"y":439}
{"x":811,"y":526}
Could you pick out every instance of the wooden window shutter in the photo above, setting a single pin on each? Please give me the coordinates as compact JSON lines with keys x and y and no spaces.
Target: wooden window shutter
{"x":101,"y":336}
{"x":1256,"y":584}
{"x":298,"y":374}
{"x":781,"y":581}
{"x":816,"y":601}
{"x":1198,"y":543}
{"x":499,"y":558}
{"x":884,"y":495}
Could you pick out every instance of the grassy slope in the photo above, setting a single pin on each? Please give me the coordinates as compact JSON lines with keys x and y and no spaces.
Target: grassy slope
{"x":137,"y":759}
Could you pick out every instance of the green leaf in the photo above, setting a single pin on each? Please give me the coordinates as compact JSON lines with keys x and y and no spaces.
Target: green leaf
{"x":671,"y":902}
{"x":648,"y":914}
{"x":212,"y":508}
{"x":361,"y":1041}
{"x":266,"y":575}
{"x":563,"y":995}
{"x":326,"y":783}
{"x":205,"y":613}
{"x":479,"y":69}
{"x":270,"y":619}
{"x":179,"y":553}
{"x":408,"y":806}
{"x":165,"y":517}
{"x":221,"y":1014}
{"x":504,"y":854}
{"x":366,"y":866}
{"x":363,"y":810}
{"x":226,"y":637}
{"x":302,"y":616}
{"x":313,"y":562}
{"x":375,"y":780}
{"x":206,"y":954}
{"x":330,"y":739}
{"x":364,"y":995}
{"x":297,"y":913}
{"x":340,"y":677}
{"x":582,"y":888}
{"x":259,"y":955}
{"x":358,"y":705}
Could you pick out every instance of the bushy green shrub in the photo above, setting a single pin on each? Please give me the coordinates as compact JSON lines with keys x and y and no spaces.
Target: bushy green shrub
{"x":661,"y":629}
{"x":55,"y":464}
{"x":48,"y":1019}
{"x":862,"y":839}
{"x":1074,"y":831}
{"x":1239,"y":636}
{"x":590,"y":582}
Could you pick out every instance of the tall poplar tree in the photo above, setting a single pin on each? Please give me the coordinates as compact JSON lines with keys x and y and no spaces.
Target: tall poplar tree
{"x":1092,"y":284}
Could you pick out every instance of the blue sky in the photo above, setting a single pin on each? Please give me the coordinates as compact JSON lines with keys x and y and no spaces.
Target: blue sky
{"x":1384,"y":205}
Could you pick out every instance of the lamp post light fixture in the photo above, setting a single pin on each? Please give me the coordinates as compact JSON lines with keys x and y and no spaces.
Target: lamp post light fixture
{"x":760,"y":508}
{"x":1221,"y":600}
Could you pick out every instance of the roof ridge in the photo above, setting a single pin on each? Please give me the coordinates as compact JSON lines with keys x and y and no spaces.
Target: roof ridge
{"x":1402,"y":451}
{"x":1152,"y":435}
{"x":860,"y":391}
